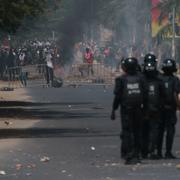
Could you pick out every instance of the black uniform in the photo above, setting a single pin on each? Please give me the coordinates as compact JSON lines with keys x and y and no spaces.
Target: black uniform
{"x":152,"y":105}
{"x":151,"y":120}
{"x":129,"y":94}
{"x":171,"y":87}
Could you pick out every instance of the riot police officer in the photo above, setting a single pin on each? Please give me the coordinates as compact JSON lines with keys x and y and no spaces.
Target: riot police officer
{"x":129,"y":95}
{"x":168,"y":120}
{"x":152,"y":107}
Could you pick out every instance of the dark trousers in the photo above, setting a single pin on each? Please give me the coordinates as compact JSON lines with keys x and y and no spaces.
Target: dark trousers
{"x":11,"y":74}
{"x":90,"y":69}
{"x":150,"y":130}
{"x":23,"y":78}
{"x":49,"y":74}
{"x":145,"y":138}
{"x":167,"y":124}
{"x":131,"y":131}
{"x":2,"y":69}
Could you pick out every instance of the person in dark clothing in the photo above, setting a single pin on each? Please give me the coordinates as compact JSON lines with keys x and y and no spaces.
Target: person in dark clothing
{"x":171,"y":87}
{"x":41,"y":60}
{"x":152,"y":107}
{"x":10,"y":65}
{"x":3,"y":57}
{"x":129,"y":95}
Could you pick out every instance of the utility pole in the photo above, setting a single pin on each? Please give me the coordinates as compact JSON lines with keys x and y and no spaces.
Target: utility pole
{"x":149,"y":26}
{"x":173,"y":34}
{"x":53,"y":35}
{"x":92,"y":20}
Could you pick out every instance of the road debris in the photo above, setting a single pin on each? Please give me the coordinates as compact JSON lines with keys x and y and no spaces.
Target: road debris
{"x":63,"y":171}
{"x":3,"y":173}
{"x":28,"y":174}
{"x":178,"y":166}
{"x":167,"y":164}
{"x":31,"y":166}
{"x":45,"y":159}
{"x":18,"y":167}
{"x":8,"y":123}
{"x":93,"y":148}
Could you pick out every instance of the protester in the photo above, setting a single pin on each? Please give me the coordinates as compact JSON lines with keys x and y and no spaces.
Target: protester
{"x":88,"y":58}
{"x":49,"y":69}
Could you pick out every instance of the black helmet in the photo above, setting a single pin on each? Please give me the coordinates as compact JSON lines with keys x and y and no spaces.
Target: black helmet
{"x":150,"y":58}
{"x":169,"y":66}
{"x":130,"y":65}
{"x":150,"y":66}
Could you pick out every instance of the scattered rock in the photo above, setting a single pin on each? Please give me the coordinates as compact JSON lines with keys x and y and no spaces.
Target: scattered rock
{"x":45,"y":159}
{"x":178,"y":166}
{"x":63,"y":171}
{"x":3,"y":173}
{"x":18,"y":166}
{"x":8,"y":123}
{"x":93,"y":148}
{"x":28,"y":174}
{"x":31,"y":166}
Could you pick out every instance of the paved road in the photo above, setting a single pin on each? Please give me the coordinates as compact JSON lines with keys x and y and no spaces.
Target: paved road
{"x":75,"y":133}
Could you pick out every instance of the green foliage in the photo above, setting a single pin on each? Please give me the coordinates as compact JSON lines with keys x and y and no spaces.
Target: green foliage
{"x":13,"y":12}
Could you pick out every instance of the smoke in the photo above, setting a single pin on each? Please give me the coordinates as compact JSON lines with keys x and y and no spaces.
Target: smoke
{"x":72,"y":26}
{"x":134,"y":25}
{"x":131,"y":25}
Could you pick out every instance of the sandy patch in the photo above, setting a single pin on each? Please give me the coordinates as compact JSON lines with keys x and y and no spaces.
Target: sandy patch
{"x":16,"y":95}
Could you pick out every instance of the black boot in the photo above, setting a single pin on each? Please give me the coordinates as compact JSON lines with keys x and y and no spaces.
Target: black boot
{"x":169,"y":155}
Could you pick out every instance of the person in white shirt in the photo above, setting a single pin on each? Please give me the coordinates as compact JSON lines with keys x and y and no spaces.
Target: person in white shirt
{"x":49,"y":69}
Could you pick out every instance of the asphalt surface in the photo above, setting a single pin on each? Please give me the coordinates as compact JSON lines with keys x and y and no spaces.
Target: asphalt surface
{"x":71,"y":137}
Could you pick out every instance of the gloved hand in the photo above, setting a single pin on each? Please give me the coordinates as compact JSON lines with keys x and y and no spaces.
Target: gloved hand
{"x":113,"y":115}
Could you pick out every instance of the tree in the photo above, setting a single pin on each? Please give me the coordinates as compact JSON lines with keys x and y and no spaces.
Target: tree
{"x":13,"y":12}
{"x":130,"y":19}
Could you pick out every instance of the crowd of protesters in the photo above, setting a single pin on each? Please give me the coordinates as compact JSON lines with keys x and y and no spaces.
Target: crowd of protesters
{"x":109,"y":54}
{"x":33,"y":52}
{"x":30,"y":52}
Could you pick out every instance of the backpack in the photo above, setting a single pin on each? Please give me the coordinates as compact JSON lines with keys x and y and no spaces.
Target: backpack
{"x":57,"y":83}
{"x":132,"y":93}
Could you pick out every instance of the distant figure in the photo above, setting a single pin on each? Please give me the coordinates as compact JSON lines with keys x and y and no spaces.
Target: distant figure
{"x":88,"y":58}
{"x":3,"y":57}
{"x":10,"y":65}
{"x":49,"y":69}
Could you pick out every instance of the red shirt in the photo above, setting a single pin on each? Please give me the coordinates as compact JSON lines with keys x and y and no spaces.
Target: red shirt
{"x":88,"y":56}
